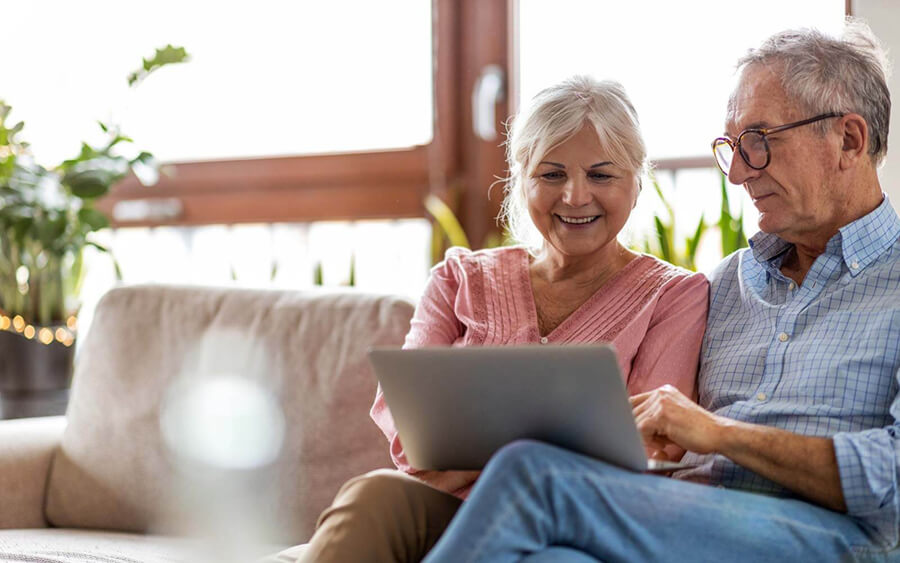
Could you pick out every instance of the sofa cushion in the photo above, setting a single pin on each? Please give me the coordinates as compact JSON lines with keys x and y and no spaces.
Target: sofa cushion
{"x":114,"y":471}
{"x":27,"y":448}
{"x":78,"y":546}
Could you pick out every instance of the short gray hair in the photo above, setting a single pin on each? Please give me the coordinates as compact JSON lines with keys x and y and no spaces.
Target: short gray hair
{"x":554,"y":116}
{"x":846,"y":74}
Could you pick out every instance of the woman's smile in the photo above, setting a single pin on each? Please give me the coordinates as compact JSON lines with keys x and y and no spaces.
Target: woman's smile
{"x":576,"y":222}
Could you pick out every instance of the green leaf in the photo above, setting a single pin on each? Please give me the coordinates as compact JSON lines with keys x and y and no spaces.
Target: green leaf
{"x":352,"y":279}
{"x":145,"y":157}
{"x":164,"y":56}
{"x":17,"y":127}
{"x":318,"y":278}
{"x":662,"y":197}
{"x":50,"y":230}
{"x":116,"y":140}
{"x":731,"y":228}
{"x":72,"y":282}
{"x":89,"y":184}
{"x":664,"y":238}
{"x":93,"y":218}
{"x":22,"y":225}
{"x":98,"y":246}
{"x":694,"y":242}
{"x":87,"y":153}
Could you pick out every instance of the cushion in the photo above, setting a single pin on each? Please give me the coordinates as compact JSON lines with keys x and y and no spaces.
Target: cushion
{"x":27,"y":446}
{"x":80,"y":546}
{"x":114,"y":471}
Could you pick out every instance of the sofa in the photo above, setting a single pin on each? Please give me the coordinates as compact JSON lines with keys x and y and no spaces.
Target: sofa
{"x":104,"y":483}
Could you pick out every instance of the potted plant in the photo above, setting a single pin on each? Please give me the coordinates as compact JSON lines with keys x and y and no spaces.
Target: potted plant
{"x":47,"y":217}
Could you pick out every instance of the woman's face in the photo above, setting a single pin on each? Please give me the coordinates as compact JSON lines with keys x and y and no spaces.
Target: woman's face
{"x":577,"y":198}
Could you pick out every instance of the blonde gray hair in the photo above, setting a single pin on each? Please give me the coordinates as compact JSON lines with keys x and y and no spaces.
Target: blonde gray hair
{"x":554,"y":116}
{"x":846,"y":74}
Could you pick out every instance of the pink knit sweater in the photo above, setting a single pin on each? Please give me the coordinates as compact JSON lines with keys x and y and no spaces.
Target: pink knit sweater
{"x":653,"y":313}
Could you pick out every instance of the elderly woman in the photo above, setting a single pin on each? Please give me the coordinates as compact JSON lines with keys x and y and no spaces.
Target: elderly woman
{"x":575,"y":156}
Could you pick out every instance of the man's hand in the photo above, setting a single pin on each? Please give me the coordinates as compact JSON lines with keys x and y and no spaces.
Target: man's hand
{"x":665,"y":416}
{"x":804,"y":464}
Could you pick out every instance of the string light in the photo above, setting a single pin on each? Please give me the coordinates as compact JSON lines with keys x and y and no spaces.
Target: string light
{"x":45,"y":335}
{"x":63,"y":334}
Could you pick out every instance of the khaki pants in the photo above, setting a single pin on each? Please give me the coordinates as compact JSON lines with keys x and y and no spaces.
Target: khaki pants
{"x":382,"y":516}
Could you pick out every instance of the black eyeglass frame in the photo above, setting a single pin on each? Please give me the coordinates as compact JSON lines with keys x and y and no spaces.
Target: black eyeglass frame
{"x":762,"y":132}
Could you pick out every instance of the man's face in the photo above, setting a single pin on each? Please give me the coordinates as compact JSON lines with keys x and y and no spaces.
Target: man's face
{"x":797,"y":194}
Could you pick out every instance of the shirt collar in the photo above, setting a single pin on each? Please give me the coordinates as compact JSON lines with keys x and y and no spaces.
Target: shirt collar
{"x":865,"y":239}
{"x":766,"y":247}
{"x":860,"y":243}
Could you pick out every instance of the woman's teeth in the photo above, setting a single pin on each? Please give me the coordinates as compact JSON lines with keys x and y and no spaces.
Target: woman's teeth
{"x":577,"y":220}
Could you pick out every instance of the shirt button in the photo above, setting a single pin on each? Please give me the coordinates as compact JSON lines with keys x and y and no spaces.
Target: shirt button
{"x":761,"y":396}
{"x":792,"y":286}
{"x":854,"y":265}
{"x":544,"y":340}
{"x":783,"y":337}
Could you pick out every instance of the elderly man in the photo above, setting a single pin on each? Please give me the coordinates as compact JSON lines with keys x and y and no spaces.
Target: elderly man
{"x":798,"y":431}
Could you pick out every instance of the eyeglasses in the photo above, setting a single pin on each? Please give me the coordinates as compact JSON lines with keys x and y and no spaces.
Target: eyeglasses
{"x":753,"y":145}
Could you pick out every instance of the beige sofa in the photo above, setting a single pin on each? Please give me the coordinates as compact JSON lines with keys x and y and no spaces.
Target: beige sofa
{"x":101,"y":484}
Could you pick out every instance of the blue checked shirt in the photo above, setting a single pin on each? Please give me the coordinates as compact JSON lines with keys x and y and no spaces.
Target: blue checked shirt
{"x":821,"y":359}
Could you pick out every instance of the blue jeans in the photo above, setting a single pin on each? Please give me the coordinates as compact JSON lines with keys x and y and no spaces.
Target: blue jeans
{"x":534,"y":498}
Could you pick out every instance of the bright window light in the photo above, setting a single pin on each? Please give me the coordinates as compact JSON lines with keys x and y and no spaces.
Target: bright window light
{"x":270,"y":77}
{"x":675,"y":59}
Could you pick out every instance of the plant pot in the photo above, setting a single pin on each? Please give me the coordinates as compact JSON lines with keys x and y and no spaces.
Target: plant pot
{"x":34,"y":377}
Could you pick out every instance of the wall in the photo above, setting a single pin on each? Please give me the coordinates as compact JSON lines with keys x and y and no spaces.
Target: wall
{"x":884,"y":18}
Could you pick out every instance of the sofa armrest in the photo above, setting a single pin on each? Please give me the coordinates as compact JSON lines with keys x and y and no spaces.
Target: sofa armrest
{"x":27,"y":447}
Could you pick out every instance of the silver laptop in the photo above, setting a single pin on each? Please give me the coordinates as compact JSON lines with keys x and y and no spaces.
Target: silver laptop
{"x":454,"y":407}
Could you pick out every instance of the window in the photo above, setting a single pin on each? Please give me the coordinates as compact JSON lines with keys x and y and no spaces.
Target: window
{"x":269,"y":79}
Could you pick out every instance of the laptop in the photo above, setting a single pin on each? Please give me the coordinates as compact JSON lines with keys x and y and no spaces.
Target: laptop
{"x":454,"y":407}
